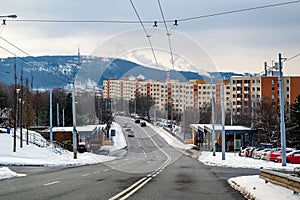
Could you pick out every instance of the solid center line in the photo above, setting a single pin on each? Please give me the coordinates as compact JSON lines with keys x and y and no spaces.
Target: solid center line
{"x":51,"y":183}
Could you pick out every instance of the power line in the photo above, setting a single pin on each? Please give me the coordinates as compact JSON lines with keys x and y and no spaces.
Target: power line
{"x":291,"y":58}
{"x":65,"y":79}
{"x":168,"y":34}
{"x":147,"y":35}
{"x":238,"y":11}
{"x":157,"y":21}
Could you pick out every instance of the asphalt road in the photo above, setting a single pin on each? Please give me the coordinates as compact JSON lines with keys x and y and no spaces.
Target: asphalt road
{"x":148,"y":169}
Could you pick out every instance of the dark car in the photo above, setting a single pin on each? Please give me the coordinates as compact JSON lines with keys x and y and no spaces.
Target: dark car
{"x":137,"y":121}
{"x":130,"y":133}
{"x":143,"y":124}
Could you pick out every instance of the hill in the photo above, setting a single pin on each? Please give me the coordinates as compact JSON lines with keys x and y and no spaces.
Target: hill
{"x":58,"y":71}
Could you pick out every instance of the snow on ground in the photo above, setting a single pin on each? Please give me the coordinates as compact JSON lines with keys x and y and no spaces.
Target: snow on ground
{"x":253,"y":186}
{"x":119,"y":141}
{"x":42,"y":156}
{"x":234,"y":160}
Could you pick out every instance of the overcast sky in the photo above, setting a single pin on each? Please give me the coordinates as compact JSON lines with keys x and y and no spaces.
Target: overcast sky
{"x":239,"y":42}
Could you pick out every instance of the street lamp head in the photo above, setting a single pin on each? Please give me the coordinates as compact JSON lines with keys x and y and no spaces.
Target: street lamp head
{"x":9,"y":16}
{"x":12,"y":16}
{"x":18,"y":90}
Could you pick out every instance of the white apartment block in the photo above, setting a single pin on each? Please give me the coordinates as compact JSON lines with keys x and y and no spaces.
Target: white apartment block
{"x":193,"y":94}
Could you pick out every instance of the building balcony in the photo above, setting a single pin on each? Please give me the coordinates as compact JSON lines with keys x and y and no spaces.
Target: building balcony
{"x":239,"y":85}
{"x":246,"y":99}
{"x":246,"y":84}
{"x":238,"y":106}
{"x":238,"y":92}
{"x":246,"y":92}
{"x":238,"y":99}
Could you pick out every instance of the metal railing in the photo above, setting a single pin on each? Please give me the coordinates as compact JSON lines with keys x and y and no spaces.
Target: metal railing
{"x":285,"y":180}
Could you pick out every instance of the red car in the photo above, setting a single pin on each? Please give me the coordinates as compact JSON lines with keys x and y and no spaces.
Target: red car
{"x":292,"y":157}
{"x":276,"y":154}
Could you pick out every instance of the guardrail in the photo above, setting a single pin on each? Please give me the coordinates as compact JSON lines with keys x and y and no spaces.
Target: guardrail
{"x":285,"y":180}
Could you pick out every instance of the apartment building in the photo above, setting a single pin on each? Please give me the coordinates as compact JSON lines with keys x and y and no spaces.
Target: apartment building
{"x":241,"y":92}
{"x":248,"y":90}
{"x":173,"y":95}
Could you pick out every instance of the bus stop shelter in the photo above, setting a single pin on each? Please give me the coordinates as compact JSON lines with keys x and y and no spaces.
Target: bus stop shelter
{"x":235,"y":136}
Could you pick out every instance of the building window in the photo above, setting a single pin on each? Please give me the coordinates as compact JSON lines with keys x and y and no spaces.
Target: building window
{"x":287,"y":96}
{"x":258,"y":89}
{"x":273,"y":82}
{"x":273,"y":96}
{"x":273,"y":89}
{"x":287,"y":81}
{"x":287,"y":89}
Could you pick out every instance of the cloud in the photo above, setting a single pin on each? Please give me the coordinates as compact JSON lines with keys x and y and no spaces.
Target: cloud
{"x":142,"y":58}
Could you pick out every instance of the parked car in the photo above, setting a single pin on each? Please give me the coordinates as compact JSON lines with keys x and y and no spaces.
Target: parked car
{"x":249,"y":151}
{"x":242,"y":151}
{"x":292,"y":157}
{"x":275,"y":154}
{"x":258,"y":153}
{"x":265,"y":154}
{"x":137,"y":121}
{"x":143,"y":124}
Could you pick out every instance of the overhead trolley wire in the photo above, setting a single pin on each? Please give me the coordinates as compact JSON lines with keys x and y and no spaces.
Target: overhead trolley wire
{"x":168,"y":33}
{"x":238,"y":11}
{"x":147,"y":35}
{"x":158,"y":21}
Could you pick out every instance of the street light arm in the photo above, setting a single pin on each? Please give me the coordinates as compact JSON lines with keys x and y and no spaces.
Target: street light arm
{"x":9,"y":16}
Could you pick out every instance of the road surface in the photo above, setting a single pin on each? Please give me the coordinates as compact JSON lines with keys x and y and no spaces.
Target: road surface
{"x":148,"y":169}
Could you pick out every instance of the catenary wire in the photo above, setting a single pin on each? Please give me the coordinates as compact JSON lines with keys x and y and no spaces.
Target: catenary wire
{"x":147,"y":35}
{"x":168,"y":33}
{"x":238,"y":11}
{"x":151,"y":21}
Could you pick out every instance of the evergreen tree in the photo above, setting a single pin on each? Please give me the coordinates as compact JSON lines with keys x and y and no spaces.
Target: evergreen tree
{"x":293,"y":127}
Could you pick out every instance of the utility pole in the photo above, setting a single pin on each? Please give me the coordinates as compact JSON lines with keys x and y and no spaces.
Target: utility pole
{"x":21,"y":110}
{"x":27,"y":111}
{"x":15,"y":104}
{"x":51,"y":133}
{"x":57,"y":114}
{"x":282,"y":121}
{"x":63,"y":117}
{"x":223,"y":122}
{"x":74,"y":121}
{"x":213,"y":122}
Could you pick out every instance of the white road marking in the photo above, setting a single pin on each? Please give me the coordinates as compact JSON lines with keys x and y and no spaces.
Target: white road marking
{"x":106,"y":170}
{"x":85,"y":174}
{"x":51,"y":183}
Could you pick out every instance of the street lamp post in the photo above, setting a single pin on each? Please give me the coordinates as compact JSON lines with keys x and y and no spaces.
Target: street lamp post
{"x":16,"y":120}
{"x":223,"y":122}
{"x":74,"y":123}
